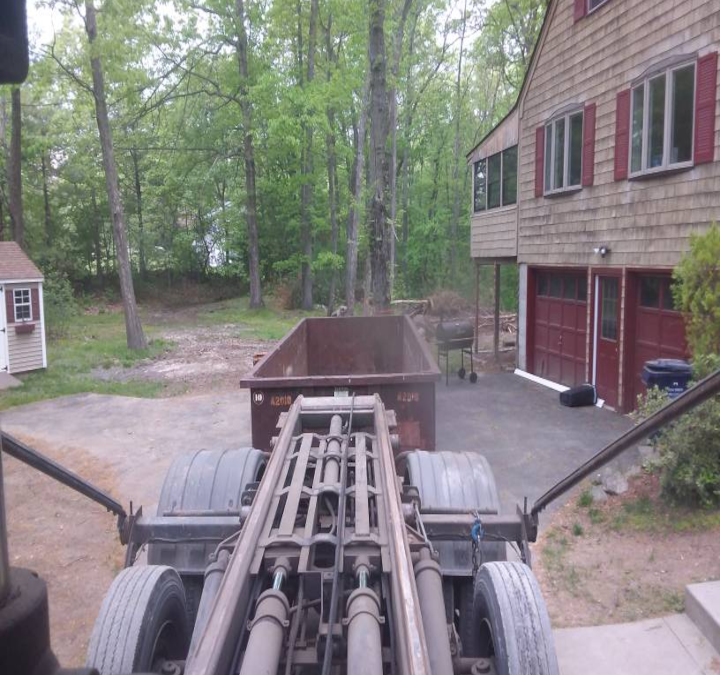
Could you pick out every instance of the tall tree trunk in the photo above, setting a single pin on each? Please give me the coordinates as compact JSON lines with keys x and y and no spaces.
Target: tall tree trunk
{"x":332,"y":170}
{"x":141,"y":228}
{"x":6,"y":156}
{"x":356,"y":183}
{"x":46,"y":201}
{"x":256,"y":300}
{"x":133,"y":327}
{"x":98,"y":238}
{"x":306,"y":193}
{"x":379,"y":159}
{"x":17,"y":221}
{"x":456,"y":154}
{"x":397,"y":58}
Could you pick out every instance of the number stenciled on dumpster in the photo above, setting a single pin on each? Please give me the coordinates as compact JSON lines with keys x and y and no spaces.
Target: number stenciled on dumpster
{"x":408,"y":396}
{"x":258,"y":398}
{"x":281,"y":401}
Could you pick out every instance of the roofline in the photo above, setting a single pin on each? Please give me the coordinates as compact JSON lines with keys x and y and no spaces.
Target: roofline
{"x":526,"y":78}
{"x":33,"y":280}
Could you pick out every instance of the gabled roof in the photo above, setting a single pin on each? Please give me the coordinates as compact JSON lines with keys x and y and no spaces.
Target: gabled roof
{"x":15,"y":265}
{"x":526,"y":78}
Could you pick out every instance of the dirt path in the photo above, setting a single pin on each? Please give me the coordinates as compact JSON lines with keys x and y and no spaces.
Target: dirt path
{"x":626,"y":559}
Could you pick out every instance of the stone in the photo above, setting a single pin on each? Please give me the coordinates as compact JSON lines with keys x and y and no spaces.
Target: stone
{"x":598,"y":494}
{"x":614,"y":483}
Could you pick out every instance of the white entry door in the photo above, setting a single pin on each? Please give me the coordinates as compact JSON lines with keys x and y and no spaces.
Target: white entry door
{"x":3,"y":331}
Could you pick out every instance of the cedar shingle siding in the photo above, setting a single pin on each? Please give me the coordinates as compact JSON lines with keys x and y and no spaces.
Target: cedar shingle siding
{"x":25,"y":349}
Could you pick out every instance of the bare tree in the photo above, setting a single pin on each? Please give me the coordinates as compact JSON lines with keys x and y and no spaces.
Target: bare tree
{"x":133,"y":328}
{"x":356,"y":182}
{"x":256,"y":300}
{"x":17,"y":222}
{"x":379,"y":158}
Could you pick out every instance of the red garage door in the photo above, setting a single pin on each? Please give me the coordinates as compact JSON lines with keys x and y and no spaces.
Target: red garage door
{"x":659,"y":329}
{"x":559,"y":326}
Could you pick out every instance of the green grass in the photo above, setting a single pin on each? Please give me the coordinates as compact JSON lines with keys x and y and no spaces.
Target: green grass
{"x":94,"y":341}
{"x":647,"y":515}
{"x":261,"y":324}
{"x":586,"y":499}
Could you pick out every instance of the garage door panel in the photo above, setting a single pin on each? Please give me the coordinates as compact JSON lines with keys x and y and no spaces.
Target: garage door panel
{"x":560,"y":327}
{"x":672,"y":335}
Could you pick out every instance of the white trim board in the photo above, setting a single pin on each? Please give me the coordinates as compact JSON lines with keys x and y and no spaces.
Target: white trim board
{"x":550,"y":384}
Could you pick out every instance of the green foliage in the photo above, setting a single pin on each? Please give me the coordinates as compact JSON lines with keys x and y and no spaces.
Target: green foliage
{"x":586,"y":499}
{"x":697,"y":291}
{"x":690,"y":447}
{"x":60,"y":305}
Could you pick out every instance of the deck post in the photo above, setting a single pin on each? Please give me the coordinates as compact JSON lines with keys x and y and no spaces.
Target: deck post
{"x":496,"y":323}
{"x":477,"y":305}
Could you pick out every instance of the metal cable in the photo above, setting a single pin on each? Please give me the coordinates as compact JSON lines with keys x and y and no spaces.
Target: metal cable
{"x":330,"y":641}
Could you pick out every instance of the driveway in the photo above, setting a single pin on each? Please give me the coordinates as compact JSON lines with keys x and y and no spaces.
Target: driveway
{"x":125,"y":445}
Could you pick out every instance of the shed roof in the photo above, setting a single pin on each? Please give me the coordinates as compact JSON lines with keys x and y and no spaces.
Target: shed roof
{"x":15,"y":264}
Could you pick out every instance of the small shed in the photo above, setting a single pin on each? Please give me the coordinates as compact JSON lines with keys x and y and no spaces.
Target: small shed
{"x":22,"y":320}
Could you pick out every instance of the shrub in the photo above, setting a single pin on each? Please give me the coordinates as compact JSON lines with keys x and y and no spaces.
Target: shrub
{"x":59,"y":304}
{"x":697,"y":292}
{"x":690,"y":447}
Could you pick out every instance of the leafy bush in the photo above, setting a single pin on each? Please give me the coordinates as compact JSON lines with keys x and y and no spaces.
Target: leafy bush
{"x":697,"y":291}
{"x":690,"y":447}
{"x":59,"y":304}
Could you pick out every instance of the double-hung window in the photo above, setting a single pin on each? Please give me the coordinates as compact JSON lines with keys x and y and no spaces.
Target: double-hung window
{"x":594,"y":4}
{"x":563,"y":153}
{"x":662,"y":119}
{"x":495,"y":181}
{"x":23,"y":304}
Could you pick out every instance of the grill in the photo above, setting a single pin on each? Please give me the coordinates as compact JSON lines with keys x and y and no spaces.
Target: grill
{"x":456,"y":336}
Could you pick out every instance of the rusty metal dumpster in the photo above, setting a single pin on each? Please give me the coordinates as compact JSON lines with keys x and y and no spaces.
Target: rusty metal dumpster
{"x":342,"y":356}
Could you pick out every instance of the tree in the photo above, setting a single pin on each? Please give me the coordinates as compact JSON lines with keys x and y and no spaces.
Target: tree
{"x":133,"y":328}
{"x":17,"y":220}
{"x":379,"y":159}
{"x":256,"y":300}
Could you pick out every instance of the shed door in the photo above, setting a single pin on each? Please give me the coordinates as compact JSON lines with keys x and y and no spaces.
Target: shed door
{"x":560,"y":329}
{"x":3,"y":331}
{"x":659,"y":329}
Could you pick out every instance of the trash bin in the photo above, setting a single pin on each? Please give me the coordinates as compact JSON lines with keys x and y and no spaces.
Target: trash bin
{"x":670,"y":375}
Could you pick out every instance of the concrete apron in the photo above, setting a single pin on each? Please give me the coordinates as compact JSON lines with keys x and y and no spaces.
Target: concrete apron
{"x":672,"y":645}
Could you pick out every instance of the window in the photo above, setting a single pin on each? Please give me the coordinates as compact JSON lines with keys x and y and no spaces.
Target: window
{"x":563,"y":153}
{"x":23,"y":306}
{"x":479,"y":195}
{"x":663,"y":110}
{"x":656,"y":293}
{"x":609,"y":309}
{"x":594,"y":4}
{"x":495,"y":181}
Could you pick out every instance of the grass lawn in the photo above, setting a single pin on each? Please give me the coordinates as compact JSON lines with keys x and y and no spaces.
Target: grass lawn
{"x":268,"y":323}
{"x":94,"y":341}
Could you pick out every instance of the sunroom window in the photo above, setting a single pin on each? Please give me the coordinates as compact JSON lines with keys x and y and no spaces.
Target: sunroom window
{"x":563,"y":153}
{"x":663,"y":110}
{"x":495,"y":180}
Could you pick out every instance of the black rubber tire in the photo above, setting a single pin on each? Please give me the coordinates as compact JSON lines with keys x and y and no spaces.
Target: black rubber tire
{"x":512,"y":620}
{"x":461,"y":373}
{"x":142,"y":619}
{"x":473,"y":378}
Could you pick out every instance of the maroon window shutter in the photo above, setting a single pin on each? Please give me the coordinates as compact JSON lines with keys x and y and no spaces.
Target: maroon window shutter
{"x":580,"y":10}
{"x":10,"y":305}
{"x":35,"y":304}
{"x":588,"y":152}
{"x":622,"y":135}
{"x":539,"y":161}
{"x":705,"y":97}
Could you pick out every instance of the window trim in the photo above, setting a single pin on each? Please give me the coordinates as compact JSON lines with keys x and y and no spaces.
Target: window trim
{"x":17,"y":304}
{"x":550,"y":128}
{"x":591,"y":10}
{"x":666,"y":166}
{"x":502,"y":204}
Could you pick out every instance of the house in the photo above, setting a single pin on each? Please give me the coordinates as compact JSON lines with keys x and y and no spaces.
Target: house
{"x":595,"y":180}
{"x":22,"y":321}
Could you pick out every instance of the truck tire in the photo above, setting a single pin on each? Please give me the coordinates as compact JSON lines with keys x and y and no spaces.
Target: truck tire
{"x":512,"y":621}
{"x":210,"y":482}
{"x":462,"y":480}
{"x":142,"y":620}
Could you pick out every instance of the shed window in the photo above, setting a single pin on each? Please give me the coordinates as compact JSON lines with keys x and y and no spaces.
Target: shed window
{"x":594,"y":4}
{"x":563,"y":153}
{"x":495,"y":181}
{"x":663,"y":112}
{"x":23,"y":305}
